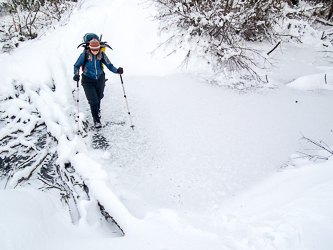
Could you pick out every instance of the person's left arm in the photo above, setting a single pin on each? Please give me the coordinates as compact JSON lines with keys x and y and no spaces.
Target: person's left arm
{"x":108,"y":64}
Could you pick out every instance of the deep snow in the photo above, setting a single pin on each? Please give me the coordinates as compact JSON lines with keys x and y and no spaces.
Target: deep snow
{"x":205,"y":167}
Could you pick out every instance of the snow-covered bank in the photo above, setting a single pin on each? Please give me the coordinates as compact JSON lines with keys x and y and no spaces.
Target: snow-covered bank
{"x":31,"y":219}
{"x":200,"y":169}
{"x":290,"y":210}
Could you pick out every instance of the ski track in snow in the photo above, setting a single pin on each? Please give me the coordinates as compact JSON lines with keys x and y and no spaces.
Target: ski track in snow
{"x":204,"y":168}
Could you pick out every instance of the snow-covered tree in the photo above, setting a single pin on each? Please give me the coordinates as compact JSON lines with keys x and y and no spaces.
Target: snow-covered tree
{"x":29,"y":17}
{"x":223,"y":31}
{"x":218,"y":30}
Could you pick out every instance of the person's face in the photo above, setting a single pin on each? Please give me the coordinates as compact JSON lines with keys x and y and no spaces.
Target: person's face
{"x":95,"y":52}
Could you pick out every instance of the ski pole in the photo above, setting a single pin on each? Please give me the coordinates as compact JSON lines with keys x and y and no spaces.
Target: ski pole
{"x":77,"y":103}
{"x":129,"y":113}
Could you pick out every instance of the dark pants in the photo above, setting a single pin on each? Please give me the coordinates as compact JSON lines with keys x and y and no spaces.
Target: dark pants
{"x":94,"y":90}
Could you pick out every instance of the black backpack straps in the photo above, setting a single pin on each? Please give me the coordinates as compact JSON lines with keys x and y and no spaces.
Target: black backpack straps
{"x":85,"y":59}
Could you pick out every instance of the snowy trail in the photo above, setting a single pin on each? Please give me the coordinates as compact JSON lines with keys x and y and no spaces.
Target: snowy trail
{"x":178,"y":148}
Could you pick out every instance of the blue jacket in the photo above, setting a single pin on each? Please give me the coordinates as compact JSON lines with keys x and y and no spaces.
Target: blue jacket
{"x":93,"y":64}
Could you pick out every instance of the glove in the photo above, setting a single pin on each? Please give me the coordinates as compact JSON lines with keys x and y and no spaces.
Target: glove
{"x":76,"y":78}
{"x":120,"y":71}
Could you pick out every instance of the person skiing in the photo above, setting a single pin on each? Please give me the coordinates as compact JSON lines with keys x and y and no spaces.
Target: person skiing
{"x":93,"y":76}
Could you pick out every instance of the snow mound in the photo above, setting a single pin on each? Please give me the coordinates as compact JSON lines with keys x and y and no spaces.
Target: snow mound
{"x":313,"y":82}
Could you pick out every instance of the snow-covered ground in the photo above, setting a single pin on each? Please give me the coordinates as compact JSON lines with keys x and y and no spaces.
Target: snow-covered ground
{"x":204,"y":168}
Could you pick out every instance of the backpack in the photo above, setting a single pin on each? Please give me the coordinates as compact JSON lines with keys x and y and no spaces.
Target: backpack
{"x":88,"y":37}
{"x":86,"y":40}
